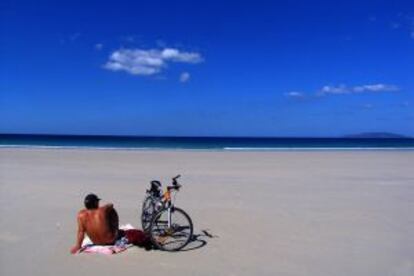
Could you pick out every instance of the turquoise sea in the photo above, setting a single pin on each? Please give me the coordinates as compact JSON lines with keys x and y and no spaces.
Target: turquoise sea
{"x":204,"y":143}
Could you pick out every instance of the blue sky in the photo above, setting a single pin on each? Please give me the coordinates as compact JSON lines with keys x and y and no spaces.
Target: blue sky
{"x":183,"y":68}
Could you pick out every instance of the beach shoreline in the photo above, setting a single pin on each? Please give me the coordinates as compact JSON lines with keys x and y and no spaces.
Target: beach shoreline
{"x":270,"y":212}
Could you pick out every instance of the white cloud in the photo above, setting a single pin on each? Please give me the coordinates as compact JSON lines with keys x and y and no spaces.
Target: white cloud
{"x":184,"y":77}
{"x":98,"y":46}
{"x":294,"y":94}
{"x":177,"y":56}
{"x":343,"y":89}
{"x":148,"y":62}
{"x":379,"y":87}
{"x":365,"y":88}
{"x":327,"y":89}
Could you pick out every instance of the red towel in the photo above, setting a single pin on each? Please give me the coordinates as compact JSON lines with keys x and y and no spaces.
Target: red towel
{"x":137,"y":237}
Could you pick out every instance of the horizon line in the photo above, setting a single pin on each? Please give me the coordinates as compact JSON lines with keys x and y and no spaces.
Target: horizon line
{"x":347,"y":136}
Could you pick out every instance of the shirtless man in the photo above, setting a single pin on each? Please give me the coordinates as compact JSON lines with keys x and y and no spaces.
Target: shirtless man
{"x":101,"y":224}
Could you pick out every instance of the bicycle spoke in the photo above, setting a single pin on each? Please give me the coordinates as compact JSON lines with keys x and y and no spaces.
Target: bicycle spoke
{"x":174,"y":237}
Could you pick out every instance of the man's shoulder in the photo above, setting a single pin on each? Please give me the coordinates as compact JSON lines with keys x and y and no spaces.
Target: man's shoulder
{"x":107,"y":206}
{"x":82,"y":213}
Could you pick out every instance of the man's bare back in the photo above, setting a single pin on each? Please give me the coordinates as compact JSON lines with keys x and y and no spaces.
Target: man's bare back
{"x":99,"y":223}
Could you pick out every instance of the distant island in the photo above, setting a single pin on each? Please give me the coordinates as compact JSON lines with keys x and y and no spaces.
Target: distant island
{"x":376,"y":135}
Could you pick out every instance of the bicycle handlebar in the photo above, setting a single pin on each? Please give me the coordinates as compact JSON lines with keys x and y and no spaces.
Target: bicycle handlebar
{"x":175,"y":184}
{"x":174,"y":180}
{"x":157,"y":185}
{"x":174,"y":187}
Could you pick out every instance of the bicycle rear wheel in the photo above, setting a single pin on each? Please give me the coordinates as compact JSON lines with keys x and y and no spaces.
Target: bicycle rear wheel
{"x":175,"y":236}
{"x":148,"y":210}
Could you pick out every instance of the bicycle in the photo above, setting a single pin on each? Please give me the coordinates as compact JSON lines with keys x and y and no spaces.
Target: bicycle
{"x":170,"y":228}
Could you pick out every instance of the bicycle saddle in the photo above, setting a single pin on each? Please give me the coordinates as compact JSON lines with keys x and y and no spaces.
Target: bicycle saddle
{"x":155,"y":183}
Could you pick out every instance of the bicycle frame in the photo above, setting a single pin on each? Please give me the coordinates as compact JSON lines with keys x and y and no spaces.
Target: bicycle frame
{"x":169,"y":217}
{"x":165,"y":200}
{"x":168,"y":204}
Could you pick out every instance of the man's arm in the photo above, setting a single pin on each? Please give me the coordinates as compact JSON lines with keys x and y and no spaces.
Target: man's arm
{"x":80,"y":234}
{"x":108,"y":206}
{"x":112,"y":217}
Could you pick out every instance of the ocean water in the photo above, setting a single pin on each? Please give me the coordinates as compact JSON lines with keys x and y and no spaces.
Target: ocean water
{"x":204,"y":143}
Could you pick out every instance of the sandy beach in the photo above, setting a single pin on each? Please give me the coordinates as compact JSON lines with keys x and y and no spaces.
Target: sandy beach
{"x":270,"y":213}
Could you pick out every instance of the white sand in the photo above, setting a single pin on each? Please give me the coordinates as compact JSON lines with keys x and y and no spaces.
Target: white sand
{"x":274,"y":213}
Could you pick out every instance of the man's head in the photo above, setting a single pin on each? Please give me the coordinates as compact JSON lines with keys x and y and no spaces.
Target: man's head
{"x":91,"y":201}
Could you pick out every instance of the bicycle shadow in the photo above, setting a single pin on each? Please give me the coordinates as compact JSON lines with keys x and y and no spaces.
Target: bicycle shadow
{"x":199,"y":240}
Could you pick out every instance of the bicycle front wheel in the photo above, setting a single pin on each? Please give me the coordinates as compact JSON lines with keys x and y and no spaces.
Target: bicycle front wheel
{"x":171,"y":229}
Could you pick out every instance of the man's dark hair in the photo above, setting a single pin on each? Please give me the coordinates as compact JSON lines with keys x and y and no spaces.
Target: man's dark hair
{"x":91,"y":201}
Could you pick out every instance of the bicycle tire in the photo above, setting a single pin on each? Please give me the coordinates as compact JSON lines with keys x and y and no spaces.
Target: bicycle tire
{"x":147,"y":213}
{"x":171,"y":243}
